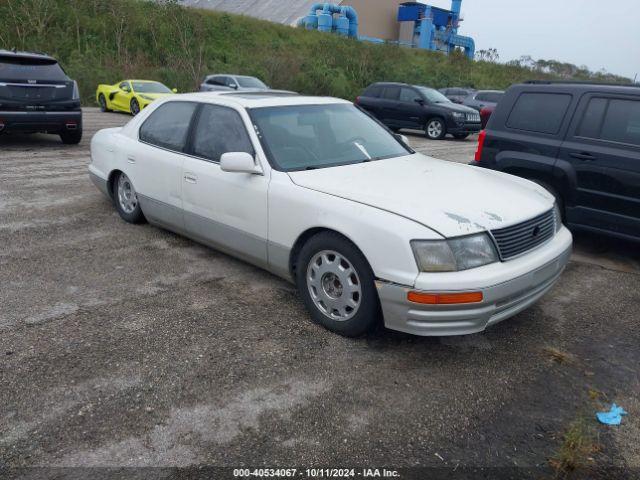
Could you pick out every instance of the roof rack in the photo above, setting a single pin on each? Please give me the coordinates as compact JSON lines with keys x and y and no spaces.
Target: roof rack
{"x":579,"y":82}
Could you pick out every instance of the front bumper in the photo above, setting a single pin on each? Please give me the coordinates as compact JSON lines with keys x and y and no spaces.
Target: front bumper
{"x":460,"y":128}
{"x":527,"y":279}
{"x":40,"y":121}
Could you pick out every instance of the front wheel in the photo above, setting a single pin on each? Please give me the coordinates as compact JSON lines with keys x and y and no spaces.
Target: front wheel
{"x":337,"y":285}
{"x":126,"y":199}
{"x":435,"y":129}
{"x":134,"y":107}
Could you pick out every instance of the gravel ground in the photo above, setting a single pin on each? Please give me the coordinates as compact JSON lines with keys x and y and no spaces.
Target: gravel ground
{"x":127,"y":345}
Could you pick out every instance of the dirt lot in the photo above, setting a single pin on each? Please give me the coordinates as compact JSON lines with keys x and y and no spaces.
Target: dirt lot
{"x":127,"y":345}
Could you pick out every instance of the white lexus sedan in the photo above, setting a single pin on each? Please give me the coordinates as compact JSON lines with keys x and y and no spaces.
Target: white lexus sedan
{"x":318,"y":192}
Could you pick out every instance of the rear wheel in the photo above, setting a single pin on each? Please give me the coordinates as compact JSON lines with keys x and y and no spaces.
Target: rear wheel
{"x":126,"y":199}
{"x":435,"y":129}
{"x":337,"y":285}
{"x":102,"y":101}
{"x":71,"y":137}
{"x":135,"y":107}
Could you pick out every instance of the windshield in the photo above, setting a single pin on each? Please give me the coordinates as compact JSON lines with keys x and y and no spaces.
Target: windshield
{"x":306,"y":137}
{"x":433,"y":96}
{"x":150,"y":87}
{"x":250,"y":82}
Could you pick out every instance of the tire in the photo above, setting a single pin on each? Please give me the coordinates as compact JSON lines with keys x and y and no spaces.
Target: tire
{"x":71,"y":137}
{"x":102,"y":101}
{"x":556,"y":195}
{"x":134,"y":107}
{"x":435,"y":129}
{"x":126,"y":199}
{"x":460,"y":136}
{"x":322,"y":273}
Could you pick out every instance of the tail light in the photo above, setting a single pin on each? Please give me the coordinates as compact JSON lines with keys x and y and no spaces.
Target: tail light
{"x":357,"y":100}
{"x":76,"y":91}
{"x":481,"y":137}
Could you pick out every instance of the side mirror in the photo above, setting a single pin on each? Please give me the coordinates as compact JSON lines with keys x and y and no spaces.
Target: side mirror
{"x":174,"y":90}
{"x":234,"y":86}
{"x":419,"y":101}
{"x":402,"y":139}
{"x":239,"y":162}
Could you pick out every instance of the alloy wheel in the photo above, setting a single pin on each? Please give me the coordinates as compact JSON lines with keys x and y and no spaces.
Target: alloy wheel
{"x":434,"y":129}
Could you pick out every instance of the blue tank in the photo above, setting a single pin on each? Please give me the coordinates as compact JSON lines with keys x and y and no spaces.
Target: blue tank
{"x":342,"y":26}
{"x":325,"y":22}
{"x":310,"y":22}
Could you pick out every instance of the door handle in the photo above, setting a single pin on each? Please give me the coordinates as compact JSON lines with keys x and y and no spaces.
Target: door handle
{"x":190,"y":178}
{"x":131,"y":159}
{"x":582,"y":156}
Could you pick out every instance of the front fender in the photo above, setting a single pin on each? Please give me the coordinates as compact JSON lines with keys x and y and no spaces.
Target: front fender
{"x":383,"y":237}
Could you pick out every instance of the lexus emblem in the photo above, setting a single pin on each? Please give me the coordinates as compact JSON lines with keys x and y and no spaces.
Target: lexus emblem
{"x":536,"y":231}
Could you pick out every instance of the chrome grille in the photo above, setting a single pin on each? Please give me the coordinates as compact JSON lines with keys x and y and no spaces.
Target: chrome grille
{"x":518,"y":239}
{"x":473,"y":117}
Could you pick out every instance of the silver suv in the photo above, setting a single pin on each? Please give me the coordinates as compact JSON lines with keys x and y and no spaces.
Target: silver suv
{"x":223,"y":82}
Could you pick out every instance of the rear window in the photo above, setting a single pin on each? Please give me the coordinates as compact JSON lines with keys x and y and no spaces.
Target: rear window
{"x":373,"y":92}
{"x":23,"y":69}
{"x":539,"y":112}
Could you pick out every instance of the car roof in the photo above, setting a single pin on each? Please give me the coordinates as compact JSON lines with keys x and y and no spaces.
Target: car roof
{"x":257,"y":99}
{"x":567,"y":86}
{"x":24,"y":54}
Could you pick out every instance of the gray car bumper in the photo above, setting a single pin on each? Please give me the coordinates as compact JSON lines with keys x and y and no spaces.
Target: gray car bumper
{"x":500,"y":302}
{"x":101,"y":183}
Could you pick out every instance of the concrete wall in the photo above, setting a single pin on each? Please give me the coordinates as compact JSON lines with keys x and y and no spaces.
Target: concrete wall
{"x":377,"y":18}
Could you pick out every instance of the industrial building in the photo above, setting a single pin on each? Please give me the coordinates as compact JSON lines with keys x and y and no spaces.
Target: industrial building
{"x":412,"y":24}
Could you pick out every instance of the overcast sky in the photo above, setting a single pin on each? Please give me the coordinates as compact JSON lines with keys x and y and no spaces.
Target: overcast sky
{"x":596,"y":33}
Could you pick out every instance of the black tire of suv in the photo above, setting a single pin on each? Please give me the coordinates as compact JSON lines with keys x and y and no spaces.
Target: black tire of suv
{"x":72,"y":137}
{"x":460,"y":136}
{"x":102,"y":101}
{"x":368,"y":314}
{"x":553,"y":192}
{"x":443,"y":130}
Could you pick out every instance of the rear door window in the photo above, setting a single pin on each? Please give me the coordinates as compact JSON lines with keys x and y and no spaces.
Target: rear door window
{"x":391,"y":93}
{"x":539,"y":112}
{"x":591,"y":122}
{"x":494,"y":97}
{"x":622,"y":122}
{"x":220,"y":130}
{"x":22,"y":69}
{"x":168,"y":125}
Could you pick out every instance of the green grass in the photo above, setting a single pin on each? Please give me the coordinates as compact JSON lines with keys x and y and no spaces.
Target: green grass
{"x":103,"y":41}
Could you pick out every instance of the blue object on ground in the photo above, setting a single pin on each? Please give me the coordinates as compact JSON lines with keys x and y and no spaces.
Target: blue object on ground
{"x":613,"y":416}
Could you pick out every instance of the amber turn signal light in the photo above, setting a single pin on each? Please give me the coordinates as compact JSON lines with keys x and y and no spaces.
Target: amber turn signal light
{"x":444,"y":298}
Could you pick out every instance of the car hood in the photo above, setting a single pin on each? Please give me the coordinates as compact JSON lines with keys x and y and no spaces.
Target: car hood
{"x":452,"y":199}
{"x":455,"y":107}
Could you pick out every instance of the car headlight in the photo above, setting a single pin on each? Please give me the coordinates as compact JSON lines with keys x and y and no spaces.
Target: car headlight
{"x":557,"y":215}
{"x":458,"y":116}
{"x":454,"y":254}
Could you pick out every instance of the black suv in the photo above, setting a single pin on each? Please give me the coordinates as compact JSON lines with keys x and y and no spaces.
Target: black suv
{"x":581,"y":142}
{"x":399,"y":105}
{"x":37,"y":96}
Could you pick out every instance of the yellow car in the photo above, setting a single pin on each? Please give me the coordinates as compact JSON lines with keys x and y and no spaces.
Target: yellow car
{"x":130,"y":96}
